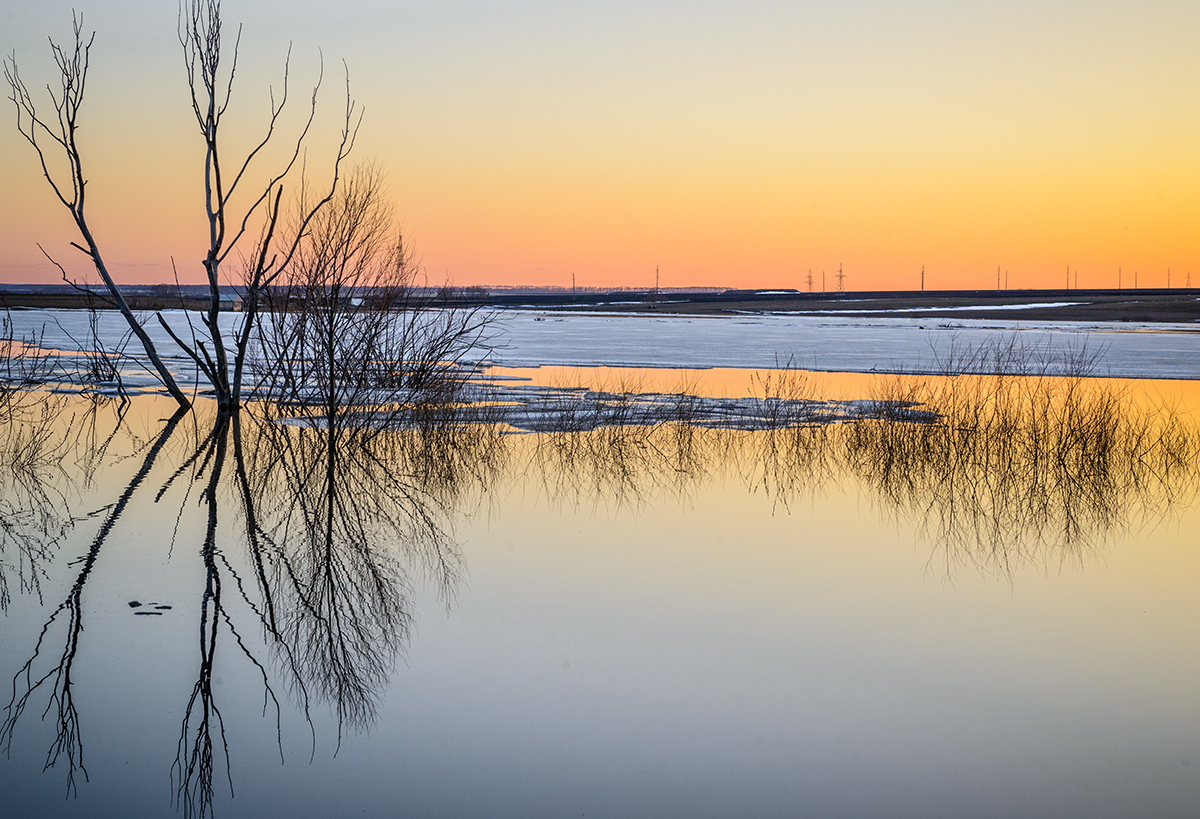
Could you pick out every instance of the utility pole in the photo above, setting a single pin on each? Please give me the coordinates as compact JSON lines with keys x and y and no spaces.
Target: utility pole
{"x":1068,"y":277}
{"x":1076,"y":278}
{"x":997,"y":277}
{"x":922,"y":278}
{"x":1168,"y":278}
{"x":1135,"y":287}
{"x":572,"y":285}
{"x":822,"y":281}
{"x":1189,"y":280}
{"x":1006,"y":278}
{"x":1118,"y":278}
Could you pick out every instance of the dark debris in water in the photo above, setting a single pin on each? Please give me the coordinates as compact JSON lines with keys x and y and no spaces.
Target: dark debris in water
{"x":159,"y":608}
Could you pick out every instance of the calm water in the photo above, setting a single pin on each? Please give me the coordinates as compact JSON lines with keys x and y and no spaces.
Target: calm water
{"x":620,"y":622}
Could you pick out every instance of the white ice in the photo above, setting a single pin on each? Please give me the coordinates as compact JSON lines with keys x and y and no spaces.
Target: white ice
{"x":525,"y":338}
{"x":845,"y":344}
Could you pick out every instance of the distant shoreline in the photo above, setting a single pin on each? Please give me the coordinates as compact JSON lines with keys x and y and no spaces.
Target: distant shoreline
{"x":1175,"y":305}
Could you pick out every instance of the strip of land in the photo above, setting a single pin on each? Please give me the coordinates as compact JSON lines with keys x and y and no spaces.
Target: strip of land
{"x":1149,"y":306}
{"x":1175,"y":305}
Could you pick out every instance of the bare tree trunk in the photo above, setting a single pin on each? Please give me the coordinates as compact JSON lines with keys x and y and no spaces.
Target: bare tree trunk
{"x":200,"y":38}
{"x":73,"y":68}
{"x":210,"y":88}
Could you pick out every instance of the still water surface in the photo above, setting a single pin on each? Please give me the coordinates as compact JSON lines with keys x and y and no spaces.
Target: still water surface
{"x":461,"y":621}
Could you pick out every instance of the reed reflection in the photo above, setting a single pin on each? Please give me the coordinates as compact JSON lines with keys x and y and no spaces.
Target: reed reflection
{"x":1015,"y":470}
{"x":998,"y":471}
{"x":32,"y":507}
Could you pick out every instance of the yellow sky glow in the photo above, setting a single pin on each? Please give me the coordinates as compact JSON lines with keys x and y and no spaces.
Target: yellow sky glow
{"x":525,"y":141}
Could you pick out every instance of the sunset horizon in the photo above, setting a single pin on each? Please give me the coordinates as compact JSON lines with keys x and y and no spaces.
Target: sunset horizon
{"x":525,"y":143}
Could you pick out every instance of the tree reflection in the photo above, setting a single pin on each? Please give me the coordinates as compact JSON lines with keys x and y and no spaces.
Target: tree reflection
{"x":195,"y":758}
{"x":332,"y":576}
{"x":57,"y":680}
{"x":338,"y":522}
{"x":336,"y":519}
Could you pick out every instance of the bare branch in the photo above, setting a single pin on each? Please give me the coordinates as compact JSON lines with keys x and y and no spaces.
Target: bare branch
{"x":72,"y":66}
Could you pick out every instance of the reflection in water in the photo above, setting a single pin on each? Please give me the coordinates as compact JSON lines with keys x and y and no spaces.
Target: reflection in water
{"x":998,"y":471}
{"x":32,"y":519}
{"x":337,"y":520}
{"x":335,"y":517}
{"x":57,"y":680}
{"x":49,"y":448}
{"x":1018,"y":469}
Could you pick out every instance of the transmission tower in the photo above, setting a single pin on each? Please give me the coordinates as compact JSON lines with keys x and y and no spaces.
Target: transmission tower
{"x":810,"y":280}
{"x":841,"y":277}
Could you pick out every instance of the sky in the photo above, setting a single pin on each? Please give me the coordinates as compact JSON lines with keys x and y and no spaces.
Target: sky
{"x":723,"y":144}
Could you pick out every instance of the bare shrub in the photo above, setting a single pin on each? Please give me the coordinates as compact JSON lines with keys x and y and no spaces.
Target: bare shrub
{"x":346,"y":330}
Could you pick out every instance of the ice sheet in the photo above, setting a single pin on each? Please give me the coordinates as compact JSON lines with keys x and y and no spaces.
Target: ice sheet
{"x":526,"y":338}
{"x":830,"y":344}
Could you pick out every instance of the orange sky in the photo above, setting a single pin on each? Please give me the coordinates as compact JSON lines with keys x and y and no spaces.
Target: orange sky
{"x":526,"y":141}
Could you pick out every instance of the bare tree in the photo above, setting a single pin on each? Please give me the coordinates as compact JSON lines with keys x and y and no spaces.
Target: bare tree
{"x":200,"y":29}
{"x":61,"y":131}
{"x":257,"y":216}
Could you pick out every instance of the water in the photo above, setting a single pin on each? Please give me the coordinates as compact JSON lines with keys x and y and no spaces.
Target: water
{"x":618,"y":622}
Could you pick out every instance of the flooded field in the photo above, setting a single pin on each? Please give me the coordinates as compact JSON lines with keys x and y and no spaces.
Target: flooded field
{"x":774,"y":593}
{"x":656,"y":410}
